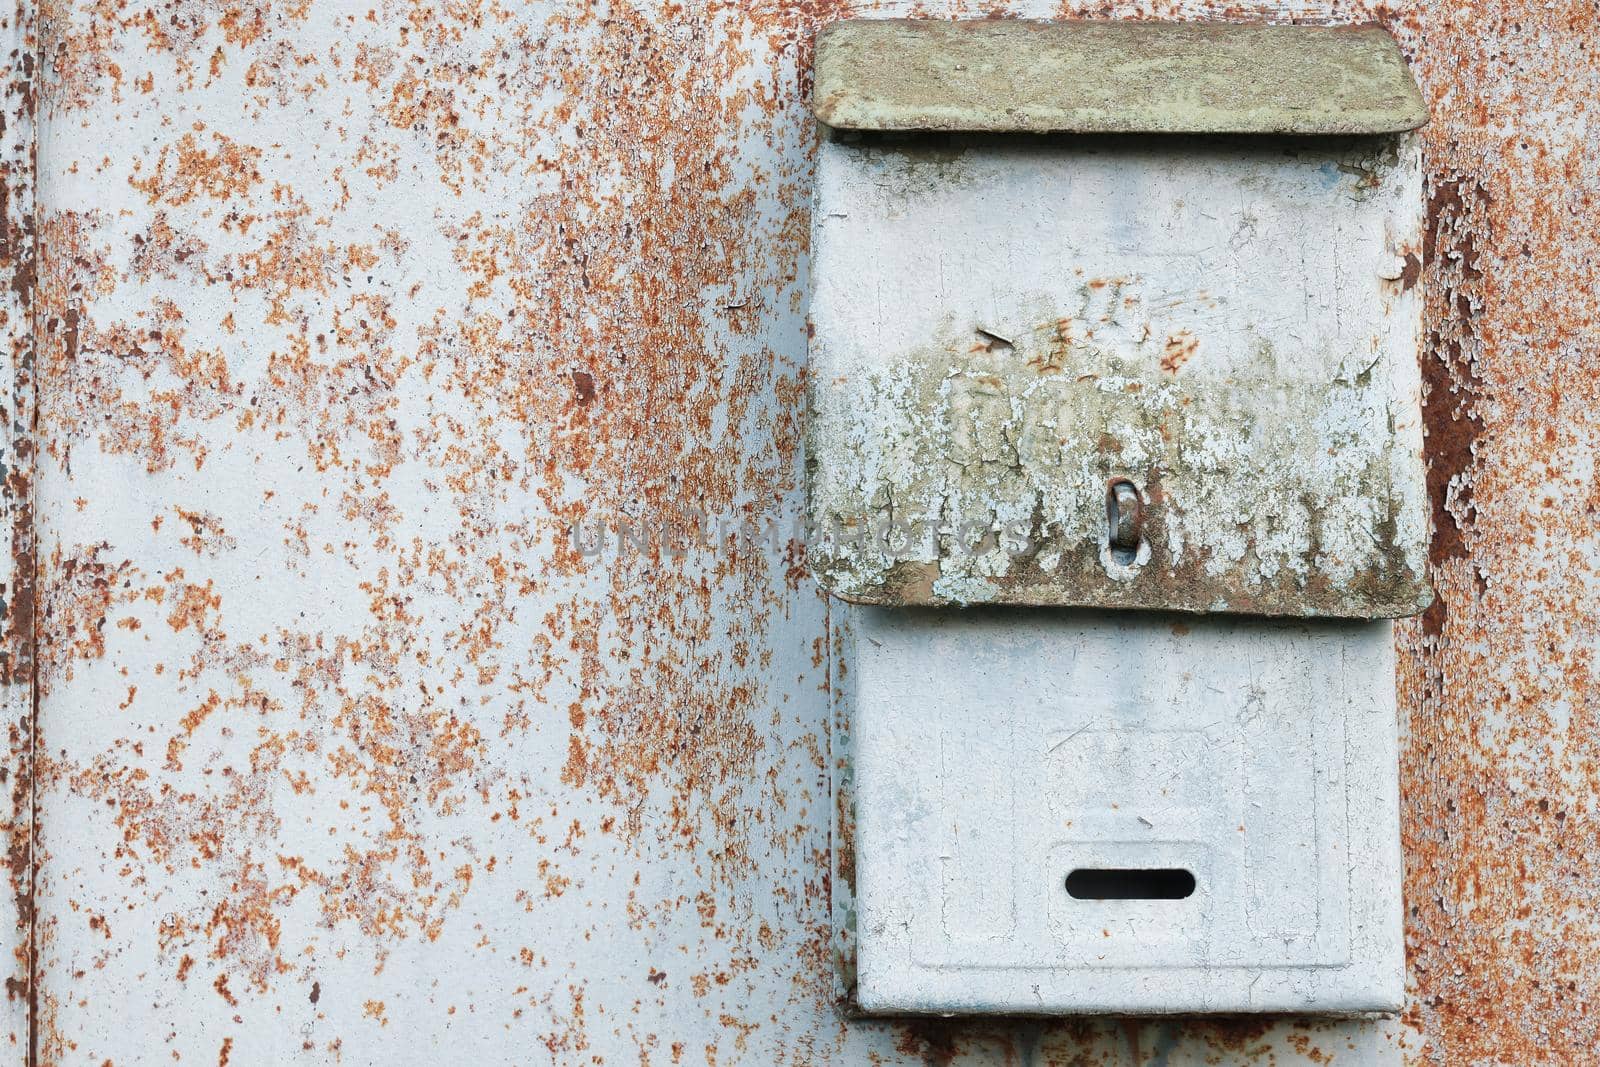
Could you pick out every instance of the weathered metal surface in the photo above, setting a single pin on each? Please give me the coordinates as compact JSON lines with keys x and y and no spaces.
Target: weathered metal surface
{"x":1257,"y":756}
{"x":17,"y":277}
{"x":1112,"y":77}
{"x":1003,"y":329}
{"x":508,"y":264}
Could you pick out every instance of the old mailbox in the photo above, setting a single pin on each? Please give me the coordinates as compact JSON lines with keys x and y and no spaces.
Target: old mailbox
{"x":1115,"y":440}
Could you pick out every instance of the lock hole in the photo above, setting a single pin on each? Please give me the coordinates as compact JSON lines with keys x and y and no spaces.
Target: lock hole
{"x":1124,"y":520}
{"x":1130,"y":883}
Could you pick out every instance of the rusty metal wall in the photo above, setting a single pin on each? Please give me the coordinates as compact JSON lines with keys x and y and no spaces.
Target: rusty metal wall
{"x":17,"y":276}
{"x":325,"y":744}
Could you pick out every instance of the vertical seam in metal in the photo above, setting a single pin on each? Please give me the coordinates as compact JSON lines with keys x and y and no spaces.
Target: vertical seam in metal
{"x":29,"y":9}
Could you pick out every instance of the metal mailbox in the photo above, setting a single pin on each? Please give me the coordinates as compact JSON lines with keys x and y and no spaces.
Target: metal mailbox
{"x":1115,"y":439}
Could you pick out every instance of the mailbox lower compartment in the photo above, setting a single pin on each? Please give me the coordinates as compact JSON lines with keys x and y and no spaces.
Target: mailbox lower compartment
{"x":1080,"y":812}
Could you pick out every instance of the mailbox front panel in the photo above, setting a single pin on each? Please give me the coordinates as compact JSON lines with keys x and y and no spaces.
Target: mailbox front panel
{"x":1220,"y":793}
{"x":1006,"y":327}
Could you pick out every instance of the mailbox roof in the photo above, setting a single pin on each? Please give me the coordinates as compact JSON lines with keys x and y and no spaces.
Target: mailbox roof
{"x":1022,"y":76}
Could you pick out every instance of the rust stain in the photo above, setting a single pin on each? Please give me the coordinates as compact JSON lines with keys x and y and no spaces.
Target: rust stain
{"x":1178,"y":350}
{"x":227,"y":169}
{"x":1451,"y":382}
{"x":18,"y":600}
{"x":1503,"y":745}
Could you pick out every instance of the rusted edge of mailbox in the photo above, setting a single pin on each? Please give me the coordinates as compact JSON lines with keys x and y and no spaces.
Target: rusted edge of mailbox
{"x":1019,"y":76}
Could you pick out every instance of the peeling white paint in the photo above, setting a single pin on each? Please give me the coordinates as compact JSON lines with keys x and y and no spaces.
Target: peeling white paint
{"x":1002,"y":328}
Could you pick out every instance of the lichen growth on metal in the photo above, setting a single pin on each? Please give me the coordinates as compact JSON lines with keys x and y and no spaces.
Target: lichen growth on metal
{"x":1002,"y":329}
{"x":1105,"y":76}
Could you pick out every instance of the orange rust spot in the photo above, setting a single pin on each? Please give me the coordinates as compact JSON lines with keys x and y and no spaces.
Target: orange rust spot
{"x":582,"y":386}
{"x":1177,"y":351}
{"x":227,"y":170}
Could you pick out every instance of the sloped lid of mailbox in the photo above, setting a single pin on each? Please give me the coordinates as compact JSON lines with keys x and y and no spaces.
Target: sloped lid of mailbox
{"x":1017,"y":342}
{"x":1023,"y":76}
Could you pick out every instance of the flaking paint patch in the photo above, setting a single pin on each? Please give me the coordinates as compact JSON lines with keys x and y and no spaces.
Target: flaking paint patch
{"x":385,"y":401}
{"x":18,"y":283}
{"x":1210,"y":320}
{"x":1502,"y":752}
{"x":1450,"y":377}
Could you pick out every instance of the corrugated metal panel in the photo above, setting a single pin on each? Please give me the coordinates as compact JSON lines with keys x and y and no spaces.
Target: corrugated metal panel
{"x":345,"y":755}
